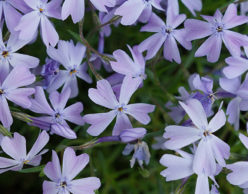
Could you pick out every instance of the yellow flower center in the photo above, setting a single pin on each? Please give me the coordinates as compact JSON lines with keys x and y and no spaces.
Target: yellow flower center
{"x":5,"y":54}
{"x":26,"y":161}
{"x":73,"y":71}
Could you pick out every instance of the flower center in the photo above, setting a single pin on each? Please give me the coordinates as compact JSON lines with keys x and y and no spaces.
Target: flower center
{"x":120,"y":109}
{"x":41,"y":10}
{"x":206,"y":133}
{"x":5,"y":54}
{"x":63,"y":184}
{"x":26,"y":161}
{"x":73,"y":71}
{"x":1,"y":92}
{"x":219,"y":29}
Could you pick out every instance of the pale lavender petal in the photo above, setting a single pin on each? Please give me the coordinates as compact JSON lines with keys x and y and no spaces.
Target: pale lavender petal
{"x":171,"y":51}
{"x":217,"y":121}
{"x":210,"y":48}
{"x":21,"y":96}
{"x":152,"y":45}
{"x":5,"y":115}
{"x":237,"y":66}
{"x":122,"y":122}
{"x":154,"y":24}
{"x":233,"y":112}
{"x":231,"y":18}
{"x":204,"y":161}
{"x":49,"y":187}
{"x":73,"y":164}
{"x":52,"y":169}
{"x":196,"y":113}
{"x":129,"y":135}
{"x":220,"y":149}
{"x":18,"y":77}
{"x":99,"y":122}
{"x":63,"y":130}
{"x":11,"y":16}
{"x":21,"y":59}
{"x":239,"y":173}
{"x":39,"y":144}
{"x":14,"y":147}
{"x":28,"y":25}
{"x":180,"y":36}
{"x":197,"y":29}
{"x":180,"y":136}
{"x":48,"y":32}
{"x":39,"y":103}
{"x":244,"y":140}
{"x":177,"y":167}
{"x":85,"y":185}
{"x":128,"y":87}
{"x":230,"y":85}
{"x":202,"y":186}
{"x":140,"y":112}
{"x":130,"y":11}
{"x":233,"y":41}
{"x":103,"y":95}
{"x":6,"y":162}
{"x":72,"y":113}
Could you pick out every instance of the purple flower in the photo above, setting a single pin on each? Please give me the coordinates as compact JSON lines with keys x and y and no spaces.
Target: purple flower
{"x":240,"y":100}
{"x":10,"y":57}
{"x":125,"y":65}
{"x":132,"y":10}
{"x":237,"y":66}
{"x":10,"y":89}
{"x":238,"y":176}
{"x":16,"y":148}
{"x":166,"y":34}
{"x":41,"y":10}
{"x":56,"y":115}
{"x":70,"y":56}
{"x":62,"y":180}
{"x":141,"y":153}
{"x":181,"y":167}
{"x":50,"y":71}
{"x":105,"y":97}
{"x":129,"y":135}
{"x":217,"y":27}
{"x":210,"y":147}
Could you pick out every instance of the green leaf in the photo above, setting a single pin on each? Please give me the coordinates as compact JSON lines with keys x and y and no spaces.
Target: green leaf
{"x":32,"y":170}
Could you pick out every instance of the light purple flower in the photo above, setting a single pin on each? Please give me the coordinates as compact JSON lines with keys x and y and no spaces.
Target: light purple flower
{"x":217,"y":27}
{"x":56,"y":115}
{"x":167,"y":35}
{"x":210,"y":147}
{"x":70,"y":56}
{"x":49,"y":71}
{"x":236,"y":67}
{"x":129,"y":135}
{"x":9,"y":55}
{"x":16,"y":148}
{"x":141,"y":153}
{"x":239,"y":176}
{"x":41,"y":11}
{"x":240,"y":100}
{"x":105,"y":97}
{"x":132,"y":10}
{"x":125,"y":65}
{"x":181,"y":167}
{"x":10,"y":89}
{"x":62,"y":180}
